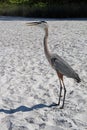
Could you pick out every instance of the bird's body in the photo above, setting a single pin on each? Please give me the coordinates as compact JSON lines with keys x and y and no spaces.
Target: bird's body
{"x":61,"y":67}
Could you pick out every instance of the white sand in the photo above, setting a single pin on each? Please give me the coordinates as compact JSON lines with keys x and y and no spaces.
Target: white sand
{"x":28,"y":85}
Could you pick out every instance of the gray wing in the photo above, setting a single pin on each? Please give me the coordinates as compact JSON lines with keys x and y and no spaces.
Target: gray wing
{"x":62,"y":66}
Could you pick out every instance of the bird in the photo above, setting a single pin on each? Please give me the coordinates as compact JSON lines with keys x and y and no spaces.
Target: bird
{"x":60,"y":65}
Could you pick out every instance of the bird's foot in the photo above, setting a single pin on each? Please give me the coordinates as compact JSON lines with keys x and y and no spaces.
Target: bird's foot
{"x":61,"y":107}
{"x":53,"y":105}
{"x":58,"y":103}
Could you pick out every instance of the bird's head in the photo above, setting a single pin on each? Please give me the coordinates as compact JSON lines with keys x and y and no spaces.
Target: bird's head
{"x":41,"y":24}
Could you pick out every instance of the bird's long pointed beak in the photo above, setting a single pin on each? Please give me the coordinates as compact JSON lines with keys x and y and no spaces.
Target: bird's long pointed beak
{"x":32,"y":23}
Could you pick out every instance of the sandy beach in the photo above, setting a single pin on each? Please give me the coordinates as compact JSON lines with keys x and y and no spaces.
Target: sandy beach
{"x":28,"y":84}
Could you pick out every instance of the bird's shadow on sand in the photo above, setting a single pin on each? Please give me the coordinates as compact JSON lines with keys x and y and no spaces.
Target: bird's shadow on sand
{"x":27,"y":109}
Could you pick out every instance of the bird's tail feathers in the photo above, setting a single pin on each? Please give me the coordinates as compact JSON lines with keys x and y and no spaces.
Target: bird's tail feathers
{"x":78,"y":80}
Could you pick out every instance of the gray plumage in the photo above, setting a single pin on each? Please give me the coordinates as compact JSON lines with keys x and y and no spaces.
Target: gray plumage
{"x":61,"y":67}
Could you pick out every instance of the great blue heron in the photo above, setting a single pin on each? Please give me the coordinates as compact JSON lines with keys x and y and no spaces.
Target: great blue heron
{"x":58,"y":64}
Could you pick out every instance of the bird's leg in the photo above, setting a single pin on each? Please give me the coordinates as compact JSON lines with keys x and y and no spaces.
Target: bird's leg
{"x":60,"y":78}
{"x":60,"y":91}
{"x":64,"y":95}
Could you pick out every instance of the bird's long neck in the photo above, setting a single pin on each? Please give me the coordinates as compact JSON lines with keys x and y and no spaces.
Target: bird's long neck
{"x":47,"y":53}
